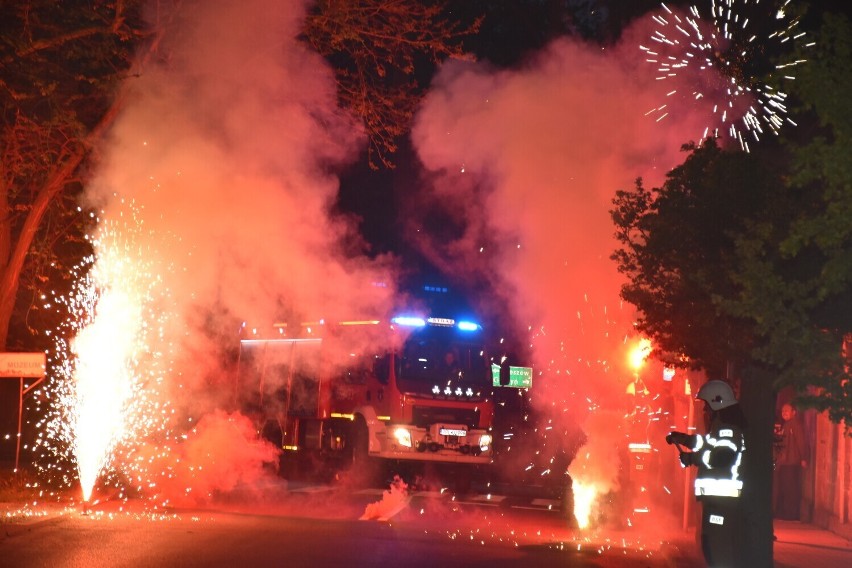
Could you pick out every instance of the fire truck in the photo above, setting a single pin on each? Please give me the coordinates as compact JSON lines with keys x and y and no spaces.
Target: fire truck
{"x":413,"y":389}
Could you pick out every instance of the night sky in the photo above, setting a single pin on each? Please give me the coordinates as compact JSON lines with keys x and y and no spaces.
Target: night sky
{"x":512,"y":33}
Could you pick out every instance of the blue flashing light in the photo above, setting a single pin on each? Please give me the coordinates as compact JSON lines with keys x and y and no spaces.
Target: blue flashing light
{"x":410,"y":321}
{"x":467,"y":326}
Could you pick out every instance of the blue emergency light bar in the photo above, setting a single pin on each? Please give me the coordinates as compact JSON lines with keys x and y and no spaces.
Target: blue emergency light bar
{"x":409,"y":321}
{"x":415,"y":321}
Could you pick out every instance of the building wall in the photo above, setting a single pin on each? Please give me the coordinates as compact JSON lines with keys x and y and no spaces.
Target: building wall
{"x":829,"y":478}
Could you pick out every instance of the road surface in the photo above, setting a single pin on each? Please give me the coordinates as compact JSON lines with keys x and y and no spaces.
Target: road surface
{"x":323,"y":525}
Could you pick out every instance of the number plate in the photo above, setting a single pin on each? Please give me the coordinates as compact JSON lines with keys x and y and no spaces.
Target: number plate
{"x":458,"y":432}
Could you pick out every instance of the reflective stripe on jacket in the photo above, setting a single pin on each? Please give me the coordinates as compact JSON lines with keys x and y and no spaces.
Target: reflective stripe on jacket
{"x":720,"y":453}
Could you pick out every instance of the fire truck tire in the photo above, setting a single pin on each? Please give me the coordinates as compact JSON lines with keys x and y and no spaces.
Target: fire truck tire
{"x":462,"y":482}
{"x":364,"y":469}
{"x":271,"y":432}
{"x":566,"y":504}
{"x":288,"y":466}
{"x":360,"y":440}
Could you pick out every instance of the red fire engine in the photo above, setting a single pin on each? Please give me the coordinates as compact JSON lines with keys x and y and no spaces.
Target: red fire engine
{"x":412,"y":389}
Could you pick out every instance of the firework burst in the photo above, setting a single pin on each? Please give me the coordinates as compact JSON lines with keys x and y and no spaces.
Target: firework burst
{"x":724,"y":57}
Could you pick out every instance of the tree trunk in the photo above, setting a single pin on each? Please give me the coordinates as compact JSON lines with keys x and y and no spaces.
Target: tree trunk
{"x":65,"y":168}
{"x":757,"y":398}
{"x":11,"y":275}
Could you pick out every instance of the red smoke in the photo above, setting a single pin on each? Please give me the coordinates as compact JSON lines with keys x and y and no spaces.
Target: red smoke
{"x":225,"y":146}
{"x":533,"y":157}
{"x":227,"y":142}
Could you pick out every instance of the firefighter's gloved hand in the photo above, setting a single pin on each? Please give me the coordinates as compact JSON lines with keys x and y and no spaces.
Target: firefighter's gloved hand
{"x":678,"y":438}
{"x":685,"y":459}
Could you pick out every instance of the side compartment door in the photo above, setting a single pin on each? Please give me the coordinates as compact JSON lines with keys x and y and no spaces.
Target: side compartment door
{"x":277,"y":384}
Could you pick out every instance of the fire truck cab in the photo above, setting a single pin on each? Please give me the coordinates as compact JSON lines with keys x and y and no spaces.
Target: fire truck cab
{"x":413,"y":389}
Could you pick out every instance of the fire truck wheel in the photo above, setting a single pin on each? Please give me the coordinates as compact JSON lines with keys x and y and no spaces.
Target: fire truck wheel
{"x":271,"y":432}
{"x":288,"y":466}
{"x":463,"y":479}
{"x":363,"y":467}
{"x":566,"y":504}
{"x":360,"y":440}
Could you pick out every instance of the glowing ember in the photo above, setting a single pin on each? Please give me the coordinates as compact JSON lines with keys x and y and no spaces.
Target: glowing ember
{"x":584,"y":499}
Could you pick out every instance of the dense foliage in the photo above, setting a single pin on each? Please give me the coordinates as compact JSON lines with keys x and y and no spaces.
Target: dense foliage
{"x":747,"y":258}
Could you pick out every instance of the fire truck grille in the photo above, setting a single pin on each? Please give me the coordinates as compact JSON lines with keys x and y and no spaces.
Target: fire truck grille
{"x":426,"y":415}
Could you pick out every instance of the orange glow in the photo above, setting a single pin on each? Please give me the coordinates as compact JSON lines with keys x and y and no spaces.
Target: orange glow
{"x":584,"y":499}
{"x":639,"y":353}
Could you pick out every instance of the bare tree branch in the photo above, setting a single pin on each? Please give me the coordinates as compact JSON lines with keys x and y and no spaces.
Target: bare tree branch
{"x":377,"y":49}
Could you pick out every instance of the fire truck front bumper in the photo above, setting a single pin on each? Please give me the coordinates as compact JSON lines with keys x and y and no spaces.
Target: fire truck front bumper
{"x":440,"y":442}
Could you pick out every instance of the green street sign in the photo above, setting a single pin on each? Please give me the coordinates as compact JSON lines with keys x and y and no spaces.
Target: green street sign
{"x":519,"y":377}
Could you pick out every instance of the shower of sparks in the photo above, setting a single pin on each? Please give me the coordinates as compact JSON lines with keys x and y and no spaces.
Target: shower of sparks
{"x":728,"y":45}
{"x":582,"y":372}
{"x":604,"y":407}
{"x":111,"y":358}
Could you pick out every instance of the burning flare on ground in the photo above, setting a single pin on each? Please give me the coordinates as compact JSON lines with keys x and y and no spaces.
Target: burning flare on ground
{"x":584,"y":499}
{"x":394,"y":500}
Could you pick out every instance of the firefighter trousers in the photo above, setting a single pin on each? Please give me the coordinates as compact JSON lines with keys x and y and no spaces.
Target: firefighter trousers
{"x":721,"y":528}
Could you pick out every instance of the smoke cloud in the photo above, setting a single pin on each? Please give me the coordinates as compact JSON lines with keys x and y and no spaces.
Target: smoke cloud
{"x":527,"y":161}
{"x":218,"y":176}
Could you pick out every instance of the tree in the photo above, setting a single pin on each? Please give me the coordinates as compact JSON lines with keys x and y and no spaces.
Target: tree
{"x":679,"y":252}
{"x":60,"y":70}
{"x":382,"y":52}
{"x":796,"y":276}
{"x":746,"y":261}
{"x":680,"y":248}
{"x":822,"y":171}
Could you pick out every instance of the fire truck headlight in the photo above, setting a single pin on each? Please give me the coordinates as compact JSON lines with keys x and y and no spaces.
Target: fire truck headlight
{"x":403,"y":436}
{"x":485,"y":442}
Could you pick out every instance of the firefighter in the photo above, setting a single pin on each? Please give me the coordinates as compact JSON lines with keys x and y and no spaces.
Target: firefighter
{"x":718,"y":485}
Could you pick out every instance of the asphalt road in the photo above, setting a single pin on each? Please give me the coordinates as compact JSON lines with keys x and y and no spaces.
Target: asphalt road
{"x":316,"y":526}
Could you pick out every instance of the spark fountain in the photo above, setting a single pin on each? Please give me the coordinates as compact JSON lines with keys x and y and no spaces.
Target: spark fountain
{"x":594,"y":379}
{"x":582,"y":385}
{"x":212,"y":202}
{"x":110,"y":372}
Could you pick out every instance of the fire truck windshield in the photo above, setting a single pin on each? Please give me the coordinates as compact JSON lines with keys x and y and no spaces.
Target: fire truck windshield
{"x":443,"y":365}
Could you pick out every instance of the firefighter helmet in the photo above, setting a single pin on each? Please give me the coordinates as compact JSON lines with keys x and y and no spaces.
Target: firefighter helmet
{"x":717,"y":394}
